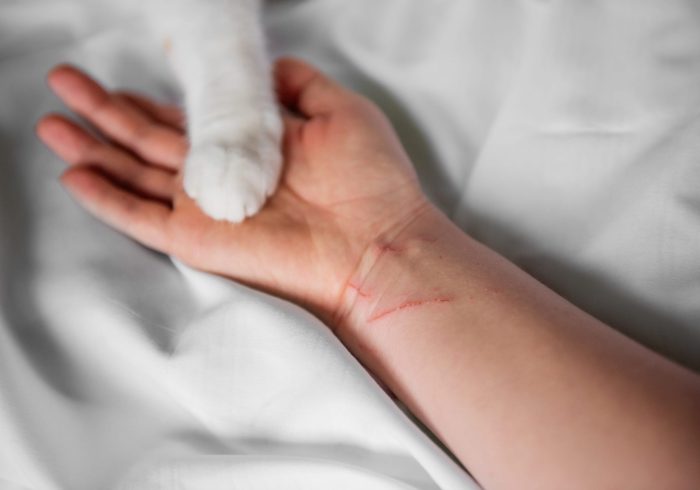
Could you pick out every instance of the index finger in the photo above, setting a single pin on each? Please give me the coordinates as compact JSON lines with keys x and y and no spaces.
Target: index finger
{"x":305,"y":89}
{"x":121,"y":121}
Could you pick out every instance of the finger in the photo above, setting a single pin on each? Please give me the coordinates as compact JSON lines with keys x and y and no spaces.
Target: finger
{"x":293,"y":127}
{"x":143,"y":220}
{"x":303,"y":88}
{"x":168,"y":115}
{"x":77,"y":147}
{"x":121,"y":122}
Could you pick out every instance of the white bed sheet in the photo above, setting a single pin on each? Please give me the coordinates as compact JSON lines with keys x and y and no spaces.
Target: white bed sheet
{"x":563,"y":134}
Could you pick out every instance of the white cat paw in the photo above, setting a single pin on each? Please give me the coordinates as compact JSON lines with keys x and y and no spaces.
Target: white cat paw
{"x":232,"y":181}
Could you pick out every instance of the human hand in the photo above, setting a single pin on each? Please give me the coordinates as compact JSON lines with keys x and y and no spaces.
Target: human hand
{"x":347,"y":184}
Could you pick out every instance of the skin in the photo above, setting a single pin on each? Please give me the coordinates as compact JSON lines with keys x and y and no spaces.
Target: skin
{"x":335,"y":194}
{"x":527,"y":390}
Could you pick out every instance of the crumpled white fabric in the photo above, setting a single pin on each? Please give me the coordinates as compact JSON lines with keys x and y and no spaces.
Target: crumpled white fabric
{"x":562,"y":134}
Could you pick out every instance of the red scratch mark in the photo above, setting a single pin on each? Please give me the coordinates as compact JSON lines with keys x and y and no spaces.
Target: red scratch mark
{"x":388,"y":247}
{"x":359,"y":292}
{"x":406,"y":305}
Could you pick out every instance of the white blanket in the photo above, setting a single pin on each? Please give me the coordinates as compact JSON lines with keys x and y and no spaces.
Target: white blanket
{"x":563,"y":134}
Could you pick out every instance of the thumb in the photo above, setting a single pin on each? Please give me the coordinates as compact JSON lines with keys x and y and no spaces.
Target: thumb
{"x":303,"y":88}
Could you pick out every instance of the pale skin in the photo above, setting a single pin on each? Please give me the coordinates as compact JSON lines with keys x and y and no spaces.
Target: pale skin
{"x":527,"y":390}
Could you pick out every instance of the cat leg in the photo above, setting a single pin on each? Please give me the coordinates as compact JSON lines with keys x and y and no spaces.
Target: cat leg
{"x":218,"y":52}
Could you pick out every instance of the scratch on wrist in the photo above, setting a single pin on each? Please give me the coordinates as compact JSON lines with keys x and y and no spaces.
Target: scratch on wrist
{"x":384,"y":282}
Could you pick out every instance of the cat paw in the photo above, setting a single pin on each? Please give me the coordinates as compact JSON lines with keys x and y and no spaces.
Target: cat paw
{"x":232,"y":181}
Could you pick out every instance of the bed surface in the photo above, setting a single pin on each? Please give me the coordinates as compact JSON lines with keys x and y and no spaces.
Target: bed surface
{"x":565,"y":135}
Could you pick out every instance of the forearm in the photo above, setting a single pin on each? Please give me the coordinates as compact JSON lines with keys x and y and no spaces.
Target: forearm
{"x":526,"y":389}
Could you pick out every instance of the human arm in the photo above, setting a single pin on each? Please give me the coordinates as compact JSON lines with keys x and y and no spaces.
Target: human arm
{"x":527,"y":390}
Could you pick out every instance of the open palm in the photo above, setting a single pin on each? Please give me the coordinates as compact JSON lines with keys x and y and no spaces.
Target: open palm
{"x":346,"y":183}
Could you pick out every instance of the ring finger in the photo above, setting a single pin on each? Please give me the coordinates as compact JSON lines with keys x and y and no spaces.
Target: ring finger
{"x":77,"y":147}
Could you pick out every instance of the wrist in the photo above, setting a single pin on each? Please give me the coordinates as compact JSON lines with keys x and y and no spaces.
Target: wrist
{"x":393,"y":274}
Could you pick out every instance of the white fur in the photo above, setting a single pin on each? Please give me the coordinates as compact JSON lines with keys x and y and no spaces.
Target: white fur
{"x":218,"y":52}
